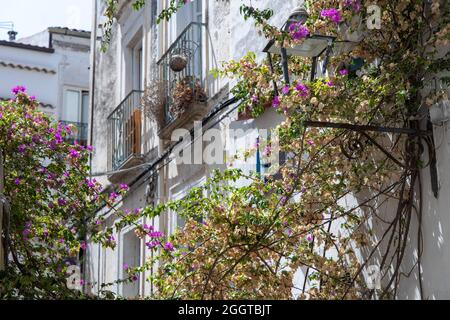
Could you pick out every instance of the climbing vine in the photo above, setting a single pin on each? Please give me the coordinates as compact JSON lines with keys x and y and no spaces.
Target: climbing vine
{"x":344,"y":199}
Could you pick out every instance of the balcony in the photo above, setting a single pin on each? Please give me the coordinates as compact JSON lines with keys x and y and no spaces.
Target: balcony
{"x":79,"y":134}
{"x":181,"y":73}
{"x":125,"y":131}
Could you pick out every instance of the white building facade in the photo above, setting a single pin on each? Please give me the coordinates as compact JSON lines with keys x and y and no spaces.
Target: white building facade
{"x":131,"y":148}
{"x":53,"y":65}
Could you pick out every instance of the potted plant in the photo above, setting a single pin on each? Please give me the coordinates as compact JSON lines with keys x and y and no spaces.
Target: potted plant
{"x":186,"y":91}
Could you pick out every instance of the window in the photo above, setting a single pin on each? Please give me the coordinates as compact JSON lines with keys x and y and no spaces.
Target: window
{"x":76,"y":106}
{"x":76,"y":112}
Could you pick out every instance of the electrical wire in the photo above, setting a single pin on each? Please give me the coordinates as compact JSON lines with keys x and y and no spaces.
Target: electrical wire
{"x":152,"y":167}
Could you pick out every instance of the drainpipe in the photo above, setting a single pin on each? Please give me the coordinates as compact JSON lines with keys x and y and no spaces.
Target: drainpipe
{"x":91,"y":113}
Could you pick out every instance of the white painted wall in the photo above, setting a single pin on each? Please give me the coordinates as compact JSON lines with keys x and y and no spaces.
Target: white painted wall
{"x":69,"y":64}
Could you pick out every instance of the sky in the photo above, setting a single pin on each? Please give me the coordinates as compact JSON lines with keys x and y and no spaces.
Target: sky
{"x":32,"y":16}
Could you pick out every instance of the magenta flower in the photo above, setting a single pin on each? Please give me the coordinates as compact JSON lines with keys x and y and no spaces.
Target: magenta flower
{"x":330,"y":83}
{"x":22,"y":148}
{"x":156,"y":234}
{"x":125,"y":267}
{"x":310,"y":142}
{"x":298,"y":31}
{"x":276,"y":102}
{"x":302,"y":90}
{"x":254,"y":98}
{"x":90,"y":184}
{"x":309,"y":238}
{"x":332,"y":14}
{"x":152,"y":244}
{"x":113,"y":196}
{"x":73,"y":153}
{"x":61,"y":202}
{"x":285,"y":90}
{"x":83,"y":245}
{"x":16,"y":90}
{"x":90,"y":148}
{"x":168,"y":246}
{"x":148,"y":227}
{"x":16,"y":181}
{"x":343,"y":72}
{"x":123,"y":187}
{"x":355,"y":5}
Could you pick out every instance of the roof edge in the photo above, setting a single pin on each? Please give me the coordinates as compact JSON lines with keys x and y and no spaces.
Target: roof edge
{"x":26,"y":46}
{"x":70,"y":32}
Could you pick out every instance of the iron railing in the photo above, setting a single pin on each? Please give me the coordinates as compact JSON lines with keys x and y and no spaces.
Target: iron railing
{"x":80,"y":134}
{"x":189,"y":45}
{"x":125,"y":129}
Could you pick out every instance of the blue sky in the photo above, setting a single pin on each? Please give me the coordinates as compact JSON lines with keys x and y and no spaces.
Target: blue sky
{"x":32,"y":16}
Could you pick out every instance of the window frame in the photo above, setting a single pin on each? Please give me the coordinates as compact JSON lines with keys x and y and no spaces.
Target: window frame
{"x":81,"y":91}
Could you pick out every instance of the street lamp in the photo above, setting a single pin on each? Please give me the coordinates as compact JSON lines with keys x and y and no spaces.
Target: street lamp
{"x":313,"y":46}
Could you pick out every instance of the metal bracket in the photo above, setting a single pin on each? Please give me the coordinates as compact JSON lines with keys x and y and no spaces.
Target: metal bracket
{"x":427,"y":135}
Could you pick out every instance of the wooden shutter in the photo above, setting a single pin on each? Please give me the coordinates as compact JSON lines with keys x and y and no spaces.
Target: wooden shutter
{"x":137,"y":131}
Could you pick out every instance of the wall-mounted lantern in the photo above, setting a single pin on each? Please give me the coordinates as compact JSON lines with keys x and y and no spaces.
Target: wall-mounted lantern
{"x":313,"y":46}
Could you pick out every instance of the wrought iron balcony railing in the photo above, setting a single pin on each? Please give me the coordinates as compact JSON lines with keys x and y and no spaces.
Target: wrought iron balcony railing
{"x":80,"y":134}
{"x":125,"y":129}
{"x":181,"y":69}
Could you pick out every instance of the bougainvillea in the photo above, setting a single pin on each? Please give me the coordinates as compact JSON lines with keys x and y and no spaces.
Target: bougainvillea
{"x":343,"y":199}
{"x":51,"y":202}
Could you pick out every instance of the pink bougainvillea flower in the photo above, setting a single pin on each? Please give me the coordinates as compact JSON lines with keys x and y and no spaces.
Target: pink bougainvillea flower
{"x":309,"y":238}
{"x":276,"y":102}
{"x":123,"y":187}
{"x":343,"y":72}
{"x":168,"y":246}
{"x":113,"y":196}
{"x":83,"y":245}
{"x":16,"y":181}
{"x":355,"y":5}
{"x":21,"y":148}
{"x":285,"y":90}
{"x":18,"y":89}
{"x":73,"y":153}
{"x":302,"y":90}
{"x":298,"y":31}
{"x":332,"y":14}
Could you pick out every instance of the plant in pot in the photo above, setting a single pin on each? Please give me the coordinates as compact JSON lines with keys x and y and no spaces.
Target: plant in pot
{"x":186,"y":91}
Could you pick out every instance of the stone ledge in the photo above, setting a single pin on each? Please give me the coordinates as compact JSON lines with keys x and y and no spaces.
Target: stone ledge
{"x":126,"y":176}
{"x":194,"y":112}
